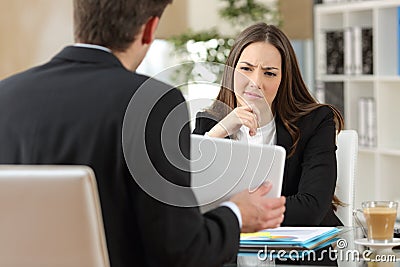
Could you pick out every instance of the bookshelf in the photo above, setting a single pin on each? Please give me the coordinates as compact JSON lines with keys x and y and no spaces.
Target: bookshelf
{"x":378,"y":164}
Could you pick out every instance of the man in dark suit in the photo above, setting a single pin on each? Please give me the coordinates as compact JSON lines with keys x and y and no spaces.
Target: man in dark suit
{"x":71,"y":111}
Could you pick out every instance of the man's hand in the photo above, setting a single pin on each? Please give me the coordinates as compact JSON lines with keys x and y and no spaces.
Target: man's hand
{"x":259,"y":212}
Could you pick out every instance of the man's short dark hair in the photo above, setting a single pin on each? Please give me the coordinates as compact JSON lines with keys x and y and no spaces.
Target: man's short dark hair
{"x":113,"y":23}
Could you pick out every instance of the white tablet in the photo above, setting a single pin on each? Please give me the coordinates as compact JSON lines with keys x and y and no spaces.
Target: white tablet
{"x":222,"y":167}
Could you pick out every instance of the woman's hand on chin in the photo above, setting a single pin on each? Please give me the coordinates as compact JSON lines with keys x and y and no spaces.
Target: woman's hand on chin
{"x":243,"y":115}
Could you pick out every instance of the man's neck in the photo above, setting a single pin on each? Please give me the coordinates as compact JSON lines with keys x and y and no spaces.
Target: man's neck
{"x":132,"y":56}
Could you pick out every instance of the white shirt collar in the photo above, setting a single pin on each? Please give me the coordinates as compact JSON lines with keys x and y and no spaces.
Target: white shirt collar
{"x":93,"y":46}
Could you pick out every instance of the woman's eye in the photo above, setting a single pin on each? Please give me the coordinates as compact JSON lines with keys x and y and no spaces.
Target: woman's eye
{"x":245,"y":68}
{"x":271,"y":74}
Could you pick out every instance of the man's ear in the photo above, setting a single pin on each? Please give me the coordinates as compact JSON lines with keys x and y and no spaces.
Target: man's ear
{"x":149,"y":30}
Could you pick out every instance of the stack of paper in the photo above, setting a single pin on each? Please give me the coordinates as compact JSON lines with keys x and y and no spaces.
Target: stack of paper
{"x":288,"y":238}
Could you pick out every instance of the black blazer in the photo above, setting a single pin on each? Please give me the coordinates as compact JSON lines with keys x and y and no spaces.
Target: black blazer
{"x":70,"y":111}
{"x":310,"y":174}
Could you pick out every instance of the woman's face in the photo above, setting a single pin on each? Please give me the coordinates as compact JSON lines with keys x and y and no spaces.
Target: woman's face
{"x":258,"y":74}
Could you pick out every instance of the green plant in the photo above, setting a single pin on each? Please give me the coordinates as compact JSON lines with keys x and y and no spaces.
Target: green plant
{"x":207,"y":46}
{"x":210,"y":45}
{"x":245,"y":12}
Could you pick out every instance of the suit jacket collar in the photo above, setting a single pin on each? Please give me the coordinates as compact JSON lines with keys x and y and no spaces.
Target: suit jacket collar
{"x":88,"y":55}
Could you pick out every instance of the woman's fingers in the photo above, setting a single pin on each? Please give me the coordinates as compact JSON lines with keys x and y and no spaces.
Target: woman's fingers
{"x":248,"y":118}
{"x":243,"y":115}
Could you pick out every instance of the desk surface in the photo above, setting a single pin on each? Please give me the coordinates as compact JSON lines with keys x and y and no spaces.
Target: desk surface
{"x":343,"y":253}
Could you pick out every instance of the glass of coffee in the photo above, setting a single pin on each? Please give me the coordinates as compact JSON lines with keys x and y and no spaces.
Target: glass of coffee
{"x":380,"y":217}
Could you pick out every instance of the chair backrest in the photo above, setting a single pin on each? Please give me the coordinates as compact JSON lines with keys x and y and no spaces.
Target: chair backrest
{"x":50,"y":216}
{"x":346,"y":154}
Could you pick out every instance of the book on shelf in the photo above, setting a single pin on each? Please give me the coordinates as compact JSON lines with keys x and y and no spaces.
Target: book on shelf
{"x":367,"y":122}
{"x":348,"y":50}
{"x":358,"y":50}
{"x":334,"y":51}
{"x":321,"y":63}
{"x":331,"y":93}
{"x":363,"y":50}
{"x":362,"y":122}
{"x":319,"y":91}
{"x":367,"y":51}
{"x":287,"y":238}
{"x":371,"y":122}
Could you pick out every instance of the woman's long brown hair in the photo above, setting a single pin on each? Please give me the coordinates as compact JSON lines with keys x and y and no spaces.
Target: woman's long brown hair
{"x":293,"y":100}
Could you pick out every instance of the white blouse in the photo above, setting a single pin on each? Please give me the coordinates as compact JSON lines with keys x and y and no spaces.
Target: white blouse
{"x":265,"y":134}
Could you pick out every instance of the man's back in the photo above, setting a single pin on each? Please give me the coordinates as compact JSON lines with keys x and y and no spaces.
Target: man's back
{"x":71,"y":111}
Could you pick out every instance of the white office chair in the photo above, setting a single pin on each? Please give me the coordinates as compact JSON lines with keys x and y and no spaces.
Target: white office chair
{"x":50,"y":216}
{"x":346,"y":154}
